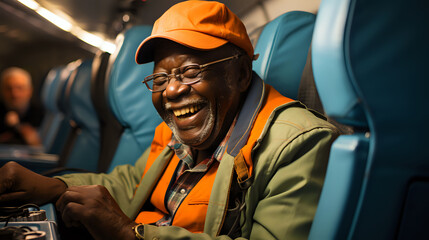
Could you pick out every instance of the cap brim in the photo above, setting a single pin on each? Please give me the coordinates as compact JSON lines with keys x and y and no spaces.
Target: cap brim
{"x":188,"y":38}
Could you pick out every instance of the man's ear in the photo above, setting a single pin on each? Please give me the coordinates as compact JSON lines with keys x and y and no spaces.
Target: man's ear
{"x":245,"y":73}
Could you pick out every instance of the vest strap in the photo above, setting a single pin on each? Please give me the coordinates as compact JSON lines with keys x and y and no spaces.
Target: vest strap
{"x":243,"y":173}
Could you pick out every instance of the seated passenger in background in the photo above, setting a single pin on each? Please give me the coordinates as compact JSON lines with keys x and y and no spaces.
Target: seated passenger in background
{"x":233,"y":157}
{"x":18,"y":116}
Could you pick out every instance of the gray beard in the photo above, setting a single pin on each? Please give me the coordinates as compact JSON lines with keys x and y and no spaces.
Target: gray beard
{"x":208,"y":127}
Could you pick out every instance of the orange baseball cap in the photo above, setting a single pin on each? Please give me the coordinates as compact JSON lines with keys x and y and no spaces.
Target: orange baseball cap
{"x":202,"y":25}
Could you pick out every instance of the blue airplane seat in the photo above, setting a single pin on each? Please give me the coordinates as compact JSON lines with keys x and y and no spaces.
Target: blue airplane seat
{"x":52,"y":116}
{"x":369,"y":61}
{"x":110,"y":129}
{"x":283,"y":45}
{"x":81,"y":149}
{"x":55,"y":127}
{"x":130,"y":101}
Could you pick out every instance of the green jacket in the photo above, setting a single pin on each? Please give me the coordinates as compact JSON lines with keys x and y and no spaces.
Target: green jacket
{"x":290,"y":160}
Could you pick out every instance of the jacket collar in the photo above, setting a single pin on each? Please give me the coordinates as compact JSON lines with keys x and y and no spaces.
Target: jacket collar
{"x":247,"y":115}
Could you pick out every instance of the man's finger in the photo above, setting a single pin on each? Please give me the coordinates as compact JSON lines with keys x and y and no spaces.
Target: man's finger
{"x":70,"y":195}
{"x":70,"y":214}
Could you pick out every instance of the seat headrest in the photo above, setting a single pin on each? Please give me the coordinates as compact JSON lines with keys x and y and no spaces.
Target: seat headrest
{"x":130,"y":100}
{"x":81,"y":109}
{"x":50,"y":89}
{"x":283,"y":45}
{"x":52,"y":93}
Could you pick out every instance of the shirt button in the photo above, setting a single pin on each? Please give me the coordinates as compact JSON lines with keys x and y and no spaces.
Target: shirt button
{"x":182,"y":191}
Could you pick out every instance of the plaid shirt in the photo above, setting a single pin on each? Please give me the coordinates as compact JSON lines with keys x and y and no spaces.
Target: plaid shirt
{"x":187,"y":175}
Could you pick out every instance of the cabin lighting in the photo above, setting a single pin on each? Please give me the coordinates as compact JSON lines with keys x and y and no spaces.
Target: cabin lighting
{"x":108,"y":47}
{"x":67,"y":26}
{"x":30,"y":4}
{"x":93,"y":40}
{"x":55,"y":19}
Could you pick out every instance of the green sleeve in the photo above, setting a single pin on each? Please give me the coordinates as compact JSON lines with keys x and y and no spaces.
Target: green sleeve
{"x":291,"y":187}
{"x":121,"y":182}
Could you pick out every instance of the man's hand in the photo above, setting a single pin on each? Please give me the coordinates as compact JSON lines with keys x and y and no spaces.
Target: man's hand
{"x":12,"y":119}
{"x":27,"y":132}
{"x":18,"y":186}
{"x":94,"y":208}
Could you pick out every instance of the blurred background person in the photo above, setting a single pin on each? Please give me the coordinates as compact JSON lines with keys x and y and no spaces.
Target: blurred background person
{"x":19,"y":117}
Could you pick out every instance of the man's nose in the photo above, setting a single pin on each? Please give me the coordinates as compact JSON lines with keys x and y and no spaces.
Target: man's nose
{"x":175,"y":88}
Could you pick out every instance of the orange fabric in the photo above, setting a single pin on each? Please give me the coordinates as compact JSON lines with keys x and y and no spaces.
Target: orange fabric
{"x":203,"y":25}
{"x":192,"y":212}
{"x":161,"y":138}
{"x":196,"y":202}
{"x":158,"y":195}
{"x":149,"y":217}
{"x":273,"y":100}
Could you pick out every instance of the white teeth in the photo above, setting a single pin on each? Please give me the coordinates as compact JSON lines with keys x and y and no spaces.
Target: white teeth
{"x":186,"y":110}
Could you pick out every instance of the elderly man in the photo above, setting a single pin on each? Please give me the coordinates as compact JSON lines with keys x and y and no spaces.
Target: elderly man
{"x":19,"y":117}
{"x":233,"y":158}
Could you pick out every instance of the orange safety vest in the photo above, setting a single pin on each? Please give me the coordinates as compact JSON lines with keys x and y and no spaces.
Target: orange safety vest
{"x":191,"y":213}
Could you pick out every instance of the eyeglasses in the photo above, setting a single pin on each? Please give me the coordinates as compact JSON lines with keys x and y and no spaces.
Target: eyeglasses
{"x":186,"y":75}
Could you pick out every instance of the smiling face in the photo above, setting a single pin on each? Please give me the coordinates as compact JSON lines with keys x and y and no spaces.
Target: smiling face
{"x":200,"y":114}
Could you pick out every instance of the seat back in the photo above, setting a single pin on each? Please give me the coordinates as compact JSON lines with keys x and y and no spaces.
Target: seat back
{"x":53,"y":116}
{"x":368,"y":60}
{"x":110,"y":129}
{"x":129,"y":100}
{"x":55,"y":127}
{"x":283,"y":45}
{"x":82,"y":147}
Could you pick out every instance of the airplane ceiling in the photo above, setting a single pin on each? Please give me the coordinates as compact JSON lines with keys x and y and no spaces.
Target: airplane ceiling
{"x":30,"y":41}
{"x":20,"y":26}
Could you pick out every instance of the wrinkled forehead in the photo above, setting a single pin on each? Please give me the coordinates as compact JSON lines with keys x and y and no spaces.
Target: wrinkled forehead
{"x":16,"y":80}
